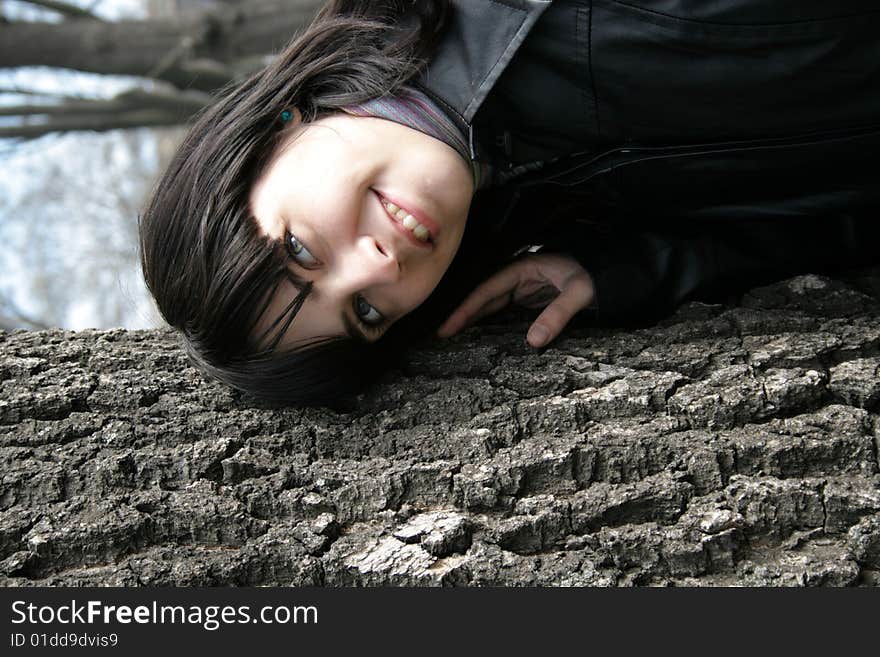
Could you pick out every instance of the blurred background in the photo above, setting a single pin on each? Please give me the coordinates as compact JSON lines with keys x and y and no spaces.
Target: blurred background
{"x":94,"y":98}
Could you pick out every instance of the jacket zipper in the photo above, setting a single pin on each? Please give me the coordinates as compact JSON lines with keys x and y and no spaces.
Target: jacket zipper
{"x":625,"y":155}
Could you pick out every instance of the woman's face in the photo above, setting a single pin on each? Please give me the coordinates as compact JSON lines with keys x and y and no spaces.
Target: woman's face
{"x":371,"y":211}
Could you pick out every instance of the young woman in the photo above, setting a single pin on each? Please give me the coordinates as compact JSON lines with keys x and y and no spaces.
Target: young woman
{"x":384,"y":176}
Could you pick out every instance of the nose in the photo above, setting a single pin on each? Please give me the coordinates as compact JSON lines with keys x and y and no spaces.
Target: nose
{"x":373,"y":262}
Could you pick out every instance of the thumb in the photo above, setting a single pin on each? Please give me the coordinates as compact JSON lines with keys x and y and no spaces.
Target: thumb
{"x":576,"y":295}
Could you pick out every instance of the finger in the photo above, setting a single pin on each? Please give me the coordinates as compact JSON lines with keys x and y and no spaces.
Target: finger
{"x":497,"y":286}
{"x":488,"y":308}
{"x":456,"y":323}
{"x":576,"y":295}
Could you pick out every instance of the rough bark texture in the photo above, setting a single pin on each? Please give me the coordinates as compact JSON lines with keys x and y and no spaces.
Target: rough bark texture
{"x":725,"y":445}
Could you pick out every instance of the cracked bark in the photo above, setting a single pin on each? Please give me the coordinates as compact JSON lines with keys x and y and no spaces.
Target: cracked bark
{"x":725,"y":445}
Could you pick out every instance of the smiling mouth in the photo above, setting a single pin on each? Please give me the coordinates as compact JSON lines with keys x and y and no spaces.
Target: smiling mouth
{"x":412,"y":226}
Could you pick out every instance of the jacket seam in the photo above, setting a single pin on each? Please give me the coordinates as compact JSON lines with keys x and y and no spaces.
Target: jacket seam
{"x":590,"y":63}
{"x":736,"y":25}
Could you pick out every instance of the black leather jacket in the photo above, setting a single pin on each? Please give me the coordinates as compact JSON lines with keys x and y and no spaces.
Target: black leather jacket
{"x":678,"y":148}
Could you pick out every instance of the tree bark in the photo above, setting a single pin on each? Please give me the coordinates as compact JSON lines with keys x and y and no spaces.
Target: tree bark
{"x":724,"y":445}
{"x":139,"y":47}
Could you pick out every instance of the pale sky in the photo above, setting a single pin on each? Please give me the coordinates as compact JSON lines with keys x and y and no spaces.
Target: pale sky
{"x":70,"y":172}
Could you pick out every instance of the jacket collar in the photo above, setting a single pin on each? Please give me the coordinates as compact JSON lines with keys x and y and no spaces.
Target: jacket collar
{"x":481,"y":39}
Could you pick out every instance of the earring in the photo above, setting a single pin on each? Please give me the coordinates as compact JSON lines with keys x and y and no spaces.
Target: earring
{"x":289,"y":115}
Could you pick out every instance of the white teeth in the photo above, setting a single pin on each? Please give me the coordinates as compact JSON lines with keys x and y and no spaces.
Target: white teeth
{"x":409,"y":222}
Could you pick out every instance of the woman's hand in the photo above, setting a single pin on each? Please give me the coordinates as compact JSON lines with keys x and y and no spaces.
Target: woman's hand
{"x":535,"y":281}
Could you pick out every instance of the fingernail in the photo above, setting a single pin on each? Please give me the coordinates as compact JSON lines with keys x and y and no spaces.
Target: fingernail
{"x":538,"y":336}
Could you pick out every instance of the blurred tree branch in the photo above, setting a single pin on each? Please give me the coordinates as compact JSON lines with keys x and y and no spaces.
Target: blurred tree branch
{"x":135,"y":108}
{"x":95,"y":122}
{"x":65,"y":9}
{"x":174,"y":50}
{"x":12,"y":318}
{"x":190,"y":56}
{"x":33,"y":92}
{"x":168,"y":99}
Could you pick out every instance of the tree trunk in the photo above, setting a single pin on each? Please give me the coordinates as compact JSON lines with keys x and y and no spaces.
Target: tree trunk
{"x":725,"y":445}
{"x":139,"y":47}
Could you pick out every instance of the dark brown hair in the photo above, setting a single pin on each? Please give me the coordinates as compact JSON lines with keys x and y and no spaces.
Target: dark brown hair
{"x":204,"y":259}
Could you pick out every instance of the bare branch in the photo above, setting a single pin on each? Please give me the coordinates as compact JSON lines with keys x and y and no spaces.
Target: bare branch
{"x":29,"y":110}
{"x":167,"y":98}
{"x":181,"y":103}
{"x":33,"y":92}
{"x":65,"y":9}
{"x":11,"y":317}
{"x":99,"y":122}
{"x":172,"y":57}
{"x":167,"y":47}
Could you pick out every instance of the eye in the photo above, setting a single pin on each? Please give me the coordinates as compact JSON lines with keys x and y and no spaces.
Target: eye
{"x":299,"y":252}
{"x":367,"y":313}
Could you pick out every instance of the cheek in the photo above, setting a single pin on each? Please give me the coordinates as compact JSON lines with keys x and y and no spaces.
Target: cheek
{"x":439,"y":174}
{"x":428,"y":280}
